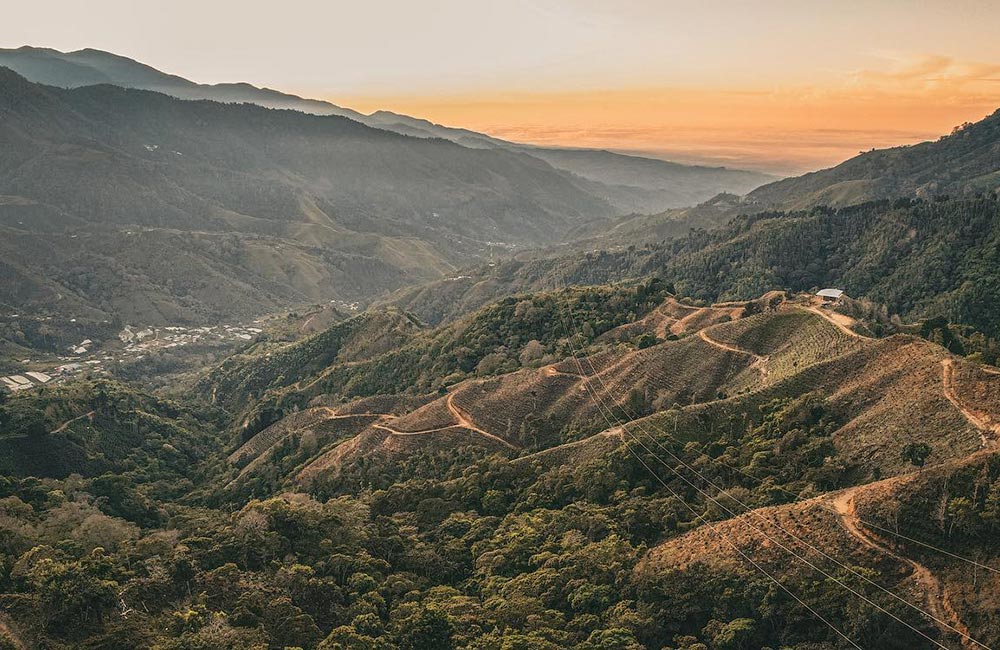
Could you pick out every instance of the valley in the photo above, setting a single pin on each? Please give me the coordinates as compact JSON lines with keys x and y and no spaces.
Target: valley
{"x":277,"y":374}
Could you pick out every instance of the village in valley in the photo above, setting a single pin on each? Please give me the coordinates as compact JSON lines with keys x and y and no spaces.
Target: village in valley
{"x":132,"y":345}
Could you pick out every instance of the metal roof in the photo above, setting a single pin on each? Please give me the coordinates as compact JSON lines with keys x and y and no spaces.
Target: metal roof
{"x":829,"y":293}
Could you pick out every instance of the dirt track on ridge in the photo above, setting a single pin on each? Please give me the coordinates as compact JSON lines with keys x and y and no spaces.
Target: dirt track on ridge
{"x":938,"y":600}
{"x":839,"y":321}
{"x":462,"y":420}
{"x":758,"y":361}
{"x":981,"y":421}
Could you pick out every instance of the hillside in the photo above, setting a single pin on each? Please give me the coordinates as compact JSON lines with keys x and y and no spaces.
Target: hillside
{"x":628,"y":183}
{"x":277,"y":374}
{"x":747,"y":363}
{"x":210,"y":209}
{"x":964,"y":162}
{"x":490,"y":341}
{"x":922,"y":259}
{"x":539,"y":472}
{"x":96,"y":427}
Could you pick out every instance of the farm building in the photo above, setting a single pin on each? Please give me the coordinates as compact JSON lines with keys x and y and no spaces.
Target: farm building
{"x":830,"y":295}
{"x":14,"y":383}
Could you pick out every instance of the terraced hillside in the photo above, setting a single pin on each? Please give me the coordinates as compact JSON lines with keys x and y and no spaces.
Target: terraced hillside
{"x":718,"y":376}
{"x":776,"y":431}
{"x":520,"y":330}
{"x":854,"y":539}
{"x":591,"y":469}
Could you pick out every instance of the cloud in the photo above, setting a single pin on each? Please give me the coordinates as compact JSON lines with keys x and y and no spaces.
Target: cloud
{"x":902,"y":99}
{"x":931,"y":73}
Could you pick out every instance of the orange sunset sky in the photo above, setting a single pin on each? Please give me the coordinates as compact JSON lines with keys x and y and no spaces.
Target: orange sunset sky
{"x":775,"y":85}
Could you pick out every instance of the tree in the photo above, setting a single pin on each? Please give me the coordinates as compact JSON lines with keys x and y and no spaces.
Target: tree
{"x":74,"y":593}
{"x":432,"y":630}
{"x":735,"y":635}
{"x":962,"y":515}
{"x":916,"y":453}
{"x":532,"y":351}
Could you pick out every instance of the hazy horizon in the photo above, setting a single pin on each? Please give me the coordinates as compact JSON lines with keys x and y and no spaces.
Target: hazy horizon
{"x":779,"y":86}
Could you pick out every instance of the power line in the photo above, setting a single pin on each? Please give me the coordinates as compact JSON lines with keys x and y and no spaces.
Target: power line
{"x":752,"y":512}
{"x":749,"y":559}
{"x":772,"y":540}
{"x":712,"y":526}
{"x":869,"y":524}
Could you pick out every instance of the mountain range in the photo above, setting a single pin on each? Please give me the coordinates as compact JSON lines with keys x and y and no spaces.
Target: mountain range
{"x":629,"y":183}
{"x":567,"y":427}
{"x":305,"y":201}
{"x":106,"y":189}
{"x":128,"y":204}
{"x":962,"y":162}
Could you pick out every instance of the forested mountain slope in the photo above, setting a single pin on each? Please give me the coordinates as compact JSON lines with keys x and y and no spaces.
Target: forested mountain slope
{"x":920,"y":258}
{"x":629,"y":183}
{"x":964,"y":162}
{"x":102,"y":187}
{"x":90,"y":67}
{"x":595,"y":484}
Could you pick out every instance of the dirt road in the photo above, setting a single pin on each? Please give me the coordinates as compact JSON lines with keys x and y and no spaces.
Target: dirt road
{"x":462,"y":420}
{"x":552,"y":371}
{"x":62,"y":427}
{"x":938,"y":602}
{"x":758,"y":361}
{"x":989,"y":432}
{"x":840,"y":321}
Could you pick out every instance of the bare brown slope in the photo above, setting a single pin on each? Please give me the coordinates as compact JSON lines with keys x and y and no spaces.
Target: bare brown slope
{"x":528,"y":409}
{"x":909,"y":517}
{"x":863,"y":527}
{"x":814,"y":540}
{"x":382,"y":448}
{"x":884,"y":392}
{"x":673,"y":317}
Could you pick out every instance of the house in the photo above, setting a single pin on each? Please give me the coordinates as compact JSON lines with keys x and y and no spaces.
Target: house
{"x":126,"y":335}
{"x":14,"y":383}
{"x":40,"y":377}
{"x":830,"y":295}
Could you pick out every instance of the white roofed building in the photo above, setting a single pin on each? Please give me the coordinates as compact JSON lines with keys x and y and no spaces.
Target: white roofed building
{"x":830,"y":295}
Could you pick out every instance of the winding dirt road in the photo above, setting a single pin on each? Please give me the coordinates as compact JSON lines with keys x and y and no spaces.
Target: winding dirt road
{"x":840,"y":321}
{"x":989,"y":431}
{"x":62,"y":427}
{"x":462,"y":420}
{"x":938,"y":601}
{"x":758,"y":361}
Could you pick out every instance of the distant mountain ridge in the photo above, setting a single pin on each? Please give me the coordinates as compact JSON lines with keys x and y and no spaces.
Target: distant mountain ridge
{"x":629,"y":183}
{"x":90,"y":67}
{"x":966,"y":161}
{"x":128,"y":202}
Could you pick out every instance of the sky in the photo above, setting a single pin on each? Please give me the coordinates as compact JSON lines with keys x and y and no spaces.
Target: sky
{"x":778,"y":85}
